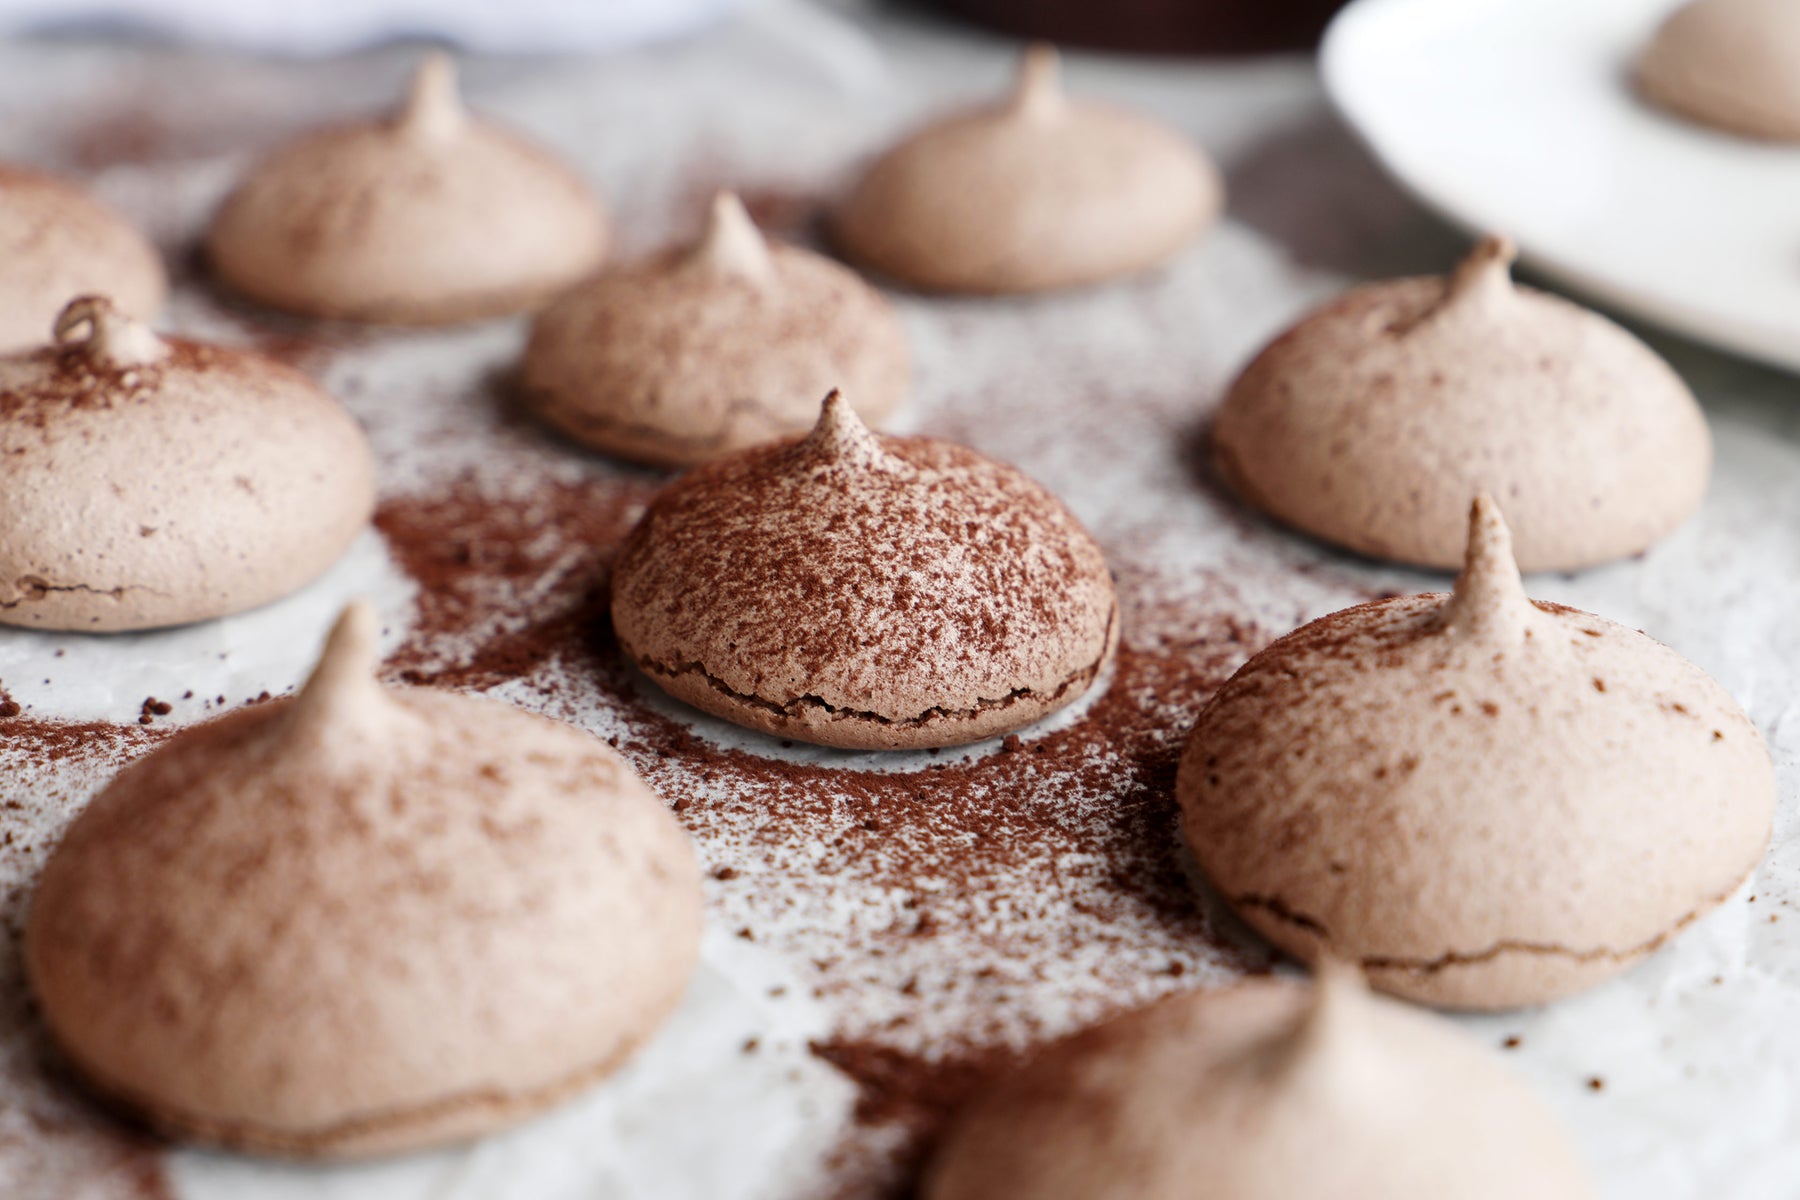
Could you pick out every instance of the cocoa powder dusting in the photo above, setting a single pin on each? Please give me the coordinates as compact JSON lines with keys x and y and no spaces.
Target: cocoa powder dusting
{"x":955,"y":912}
{"x":507,"y":583}
{"x":53,"y":1142}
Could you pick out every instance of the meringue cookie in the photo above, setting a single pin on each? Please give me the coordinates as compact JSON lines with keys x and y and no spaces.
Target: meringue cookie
{"x":57,"y":242}
{"x":1036,"y":192}
{"x":863,"y":591}
{"x":1268,"y":1090}
{"x":1372,"y":422}
{"x":156,"y":482}
{"x":688,"y":355}
{"x":1731,"y":64}
{"x":362,"y":920}
{"x":429,"y":216}
{"x":1482,"y":800}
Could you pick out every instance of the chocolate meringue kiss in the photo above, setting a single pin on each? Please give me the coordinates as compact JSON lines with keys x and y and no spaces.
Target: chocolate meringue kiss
{"x":1482,"y":800}
{"x":864,"y":591}
{"x":1038,"y":191}
{"x":1269,"y":1090}
{"x":156,"y":481}
{"x":708,"y":349}
{"x":1730,"y":64}
{"x":1371,"y":423}
{"x":56,"y":241}
{"x":362,"y":920}
{"x":428,"y":216}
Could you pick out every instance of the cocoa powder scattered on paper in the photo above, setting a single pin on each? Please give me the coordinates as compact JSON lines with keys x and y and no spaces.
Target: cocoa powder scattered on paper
{"x":954,"y":912}
{"x":53,"y":1141}
{"x":507,"y":582}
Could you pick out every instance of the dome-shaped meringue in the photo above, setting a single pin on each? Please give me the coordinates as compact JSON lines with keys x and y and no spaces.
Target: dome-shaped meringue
{"x":1482,"y":800}
{"x":57,"y":242}
{"x":1036,"y":192}
{"x":156,"y":482}
{"x":1268,"y":1090}
{"x":728,"y":342}
{"x":428,"y":216}
{"x":1372,"y":422}
{"x":865,"y":591}
{"x":1731,"y":64}
{"x":362,"y":920}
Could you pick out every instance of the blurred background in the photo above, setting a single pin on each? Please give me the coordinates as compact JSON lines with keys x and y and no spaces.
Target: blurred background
{"x":326,"y":26}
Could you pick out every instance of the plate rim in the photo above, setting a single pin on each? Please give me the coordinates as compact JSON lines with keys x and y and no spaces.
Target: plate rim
{"x":1339,"y":73}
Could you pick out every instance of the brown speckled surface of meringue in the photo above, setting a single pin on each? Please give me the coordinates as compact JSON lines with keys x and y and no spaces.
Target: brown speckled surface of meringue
{"x":1731,"y":64}
{"x":1371,"y":422}
{"x":157,"y":482}
{"x":56,"y":243}
{"x":1271,"y":1089}
{"x":1482,"y":800}
{"x":428,"y":216}
{"x":1035,"y":192}
{"x":717,"y":346}
{"x":362,"y":920}
{"x":864,"y":591}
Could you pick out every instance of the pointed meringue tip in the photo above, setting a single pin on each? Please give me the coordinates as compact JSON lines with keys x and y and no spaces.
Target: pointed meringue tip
{"x":1322,"y":1032}
{"x":1487,"y":269}
{"x":105,"y":333}
{"x":842,"y":436}
{"x":346,"y":666}
{"x":1037,"y":92}
{"x":433,"y":105}
{"x":732,"y":244}
{"x":1489,"y":550}
{"x":1337,"y":985}
{"x":1489,"y":597}
{"x":838,"y":422}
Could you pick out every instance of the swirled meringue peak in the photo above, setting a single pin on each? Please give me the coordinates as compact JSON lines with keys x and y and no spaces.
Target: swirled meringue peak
{"x":721,"y":344}
{"x":1481,"y":800}
{"x":1036,"y":192}
{"x":362,"y":920}
{"x":428,"y":216}
{"x":1371,"y":422}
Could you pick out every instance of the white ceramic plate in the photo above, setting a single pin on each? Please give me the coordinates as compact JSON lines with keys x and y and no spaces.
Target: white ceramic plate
{"x":1517,"y":116}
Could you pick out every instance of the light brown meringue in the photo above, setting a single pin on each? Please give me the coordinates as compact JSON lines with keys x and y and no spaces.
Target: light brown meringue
{"x":156,"y":482}
{"x":1482,"y":800}
{"x":864,"y":591}
{"x":1372,"y":421}
{"x":428,"y":216}
{"x":362,"y":920}
{"x":1268,"y":1090}
{"x":1036,"y":192}
{"x":717,"y":346}
{"x":56,"y":243}
{"x":1730,"y":64}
